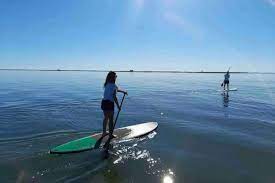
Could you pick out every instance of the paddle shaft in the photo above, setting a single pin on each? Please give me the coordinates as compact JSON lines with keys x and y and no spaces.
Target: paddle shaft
{"x":119,"y":110}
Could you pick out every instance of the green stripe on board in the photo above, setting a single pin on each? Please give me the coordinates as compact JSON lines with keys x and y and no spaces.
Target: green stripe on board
{"x":76,"y":145}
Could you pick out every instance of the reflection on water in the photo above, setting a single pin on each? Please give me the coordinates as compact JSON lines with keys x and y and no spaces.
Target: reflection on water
{"x":226,"y":99}
{"x":132,"y":151}
{"x":129,"y":150}
{"x":167,"y":179}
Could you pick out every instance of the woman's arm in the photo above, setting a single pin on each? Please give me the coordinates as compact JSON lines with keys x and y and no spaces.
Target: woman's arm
{"x":122,"y":91}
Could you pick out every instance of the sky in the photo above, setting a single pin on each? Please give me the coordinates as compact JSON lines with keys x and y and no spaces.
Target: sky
{"x":182,"y":35}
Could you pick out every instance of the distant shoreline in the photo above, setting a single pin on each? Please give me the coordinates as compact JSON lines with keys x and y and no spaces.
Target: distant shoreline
{"x":136,"y":71}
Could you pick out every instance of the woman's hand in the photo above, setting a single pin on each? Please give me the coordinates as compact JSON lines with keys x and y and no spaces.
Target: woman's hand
{"x":122,"y":91}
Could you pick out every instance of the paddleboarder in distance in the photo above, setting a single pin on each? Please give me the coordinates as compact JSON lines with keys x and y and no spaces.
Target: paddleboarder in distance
{"x":107,"y":103}
{"x":226,"y":80}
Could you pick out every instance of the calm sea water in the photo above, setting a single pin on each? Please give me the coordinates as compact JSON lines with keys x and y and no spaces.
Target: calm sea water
{"x":203,"y":136}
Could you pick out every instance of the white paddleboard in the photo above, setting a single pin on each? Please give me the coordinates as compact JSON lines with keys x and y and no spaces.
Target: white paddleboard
{"x":230,"y":89}
{"x":89,"y":142}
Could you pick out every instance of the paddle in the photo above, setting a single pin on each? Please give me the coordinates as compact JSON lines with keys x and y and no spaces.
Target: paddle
{"x":100,"y":139}
{"x":119,"y":109}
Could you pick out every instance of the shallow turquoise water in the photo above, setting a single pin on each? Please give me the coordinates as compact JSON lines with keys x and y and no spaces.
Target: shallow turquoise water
{"x":203,"y":136}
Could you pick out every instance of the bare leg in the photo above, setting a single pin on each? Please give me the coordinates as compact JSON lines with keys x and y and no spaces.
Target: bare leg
{"x":111,"y":125}
{"x":108,"y":119}
{"x":105,"y":121}
{"x":227,"y":86}
{"x":111,"y":129}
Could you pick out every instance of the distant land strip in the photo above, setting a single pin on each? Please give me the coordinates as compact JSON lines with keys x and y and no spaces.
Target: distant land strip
{"x":140,"y":71}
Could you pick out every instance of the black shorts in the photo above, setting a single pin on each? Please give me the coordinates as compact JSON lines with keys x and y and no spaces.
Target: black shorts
{"x":107,"y":105}
{"x":226,"y":81}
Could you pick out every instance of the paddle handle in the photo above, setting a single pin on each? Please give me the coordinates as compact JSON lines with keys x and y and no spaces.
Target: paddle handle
{"x":229,"y":68}
{"x":119,"y":109}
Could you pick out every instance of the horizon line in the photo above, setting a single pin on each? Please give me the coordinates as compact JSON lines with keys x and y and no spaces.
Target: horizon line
{"x":144,"y":71}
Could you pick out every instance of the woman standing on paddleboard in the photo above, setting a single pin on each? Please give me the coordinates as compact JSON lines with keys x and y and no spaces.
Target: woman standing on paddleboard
{"x":107,"y":103}
{"x":226,"y":80}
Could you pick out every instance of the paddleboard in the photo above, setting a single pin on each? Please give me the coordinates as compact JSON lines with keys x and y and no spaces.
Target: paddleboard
{"x":89,"y":142}
{"x":230,"y":89}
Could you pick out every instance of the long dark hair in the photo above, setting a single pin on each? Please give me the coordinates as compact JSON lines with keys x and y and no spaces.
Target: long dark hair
{"x":111,"y":78}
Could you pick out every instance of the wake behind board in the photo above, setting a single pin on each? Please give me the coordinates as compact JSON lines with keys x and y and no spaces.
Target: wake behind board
{"x":89,"y":142}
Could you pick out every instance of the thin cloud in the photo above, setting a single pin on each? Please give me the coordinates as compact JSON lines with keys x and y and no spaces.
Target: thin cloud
{"x":178,"y":22}
{"x":169,"y":2}
{"x":139,"y":4}
{"x":271,"y":2}
{"x":174,"y":19}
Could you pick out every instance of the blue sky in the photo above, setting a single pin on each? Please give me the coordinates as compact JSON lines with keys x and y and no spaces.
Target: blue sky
{"x":138,"y":34}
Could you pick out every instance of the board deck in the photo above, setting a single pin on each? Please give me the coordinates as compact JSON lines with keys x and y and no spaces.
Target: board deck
{"x":89,"y":142}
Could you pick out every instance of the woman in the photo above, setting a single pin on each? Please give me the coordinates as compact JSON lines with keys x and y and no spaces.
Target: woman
{"x":107,"y":104}
{"x":226,"y":80}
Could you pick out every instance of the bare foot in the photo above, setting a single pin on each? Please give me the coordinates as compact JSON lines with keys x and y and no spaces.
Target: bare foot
{"x":113,"y":136}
